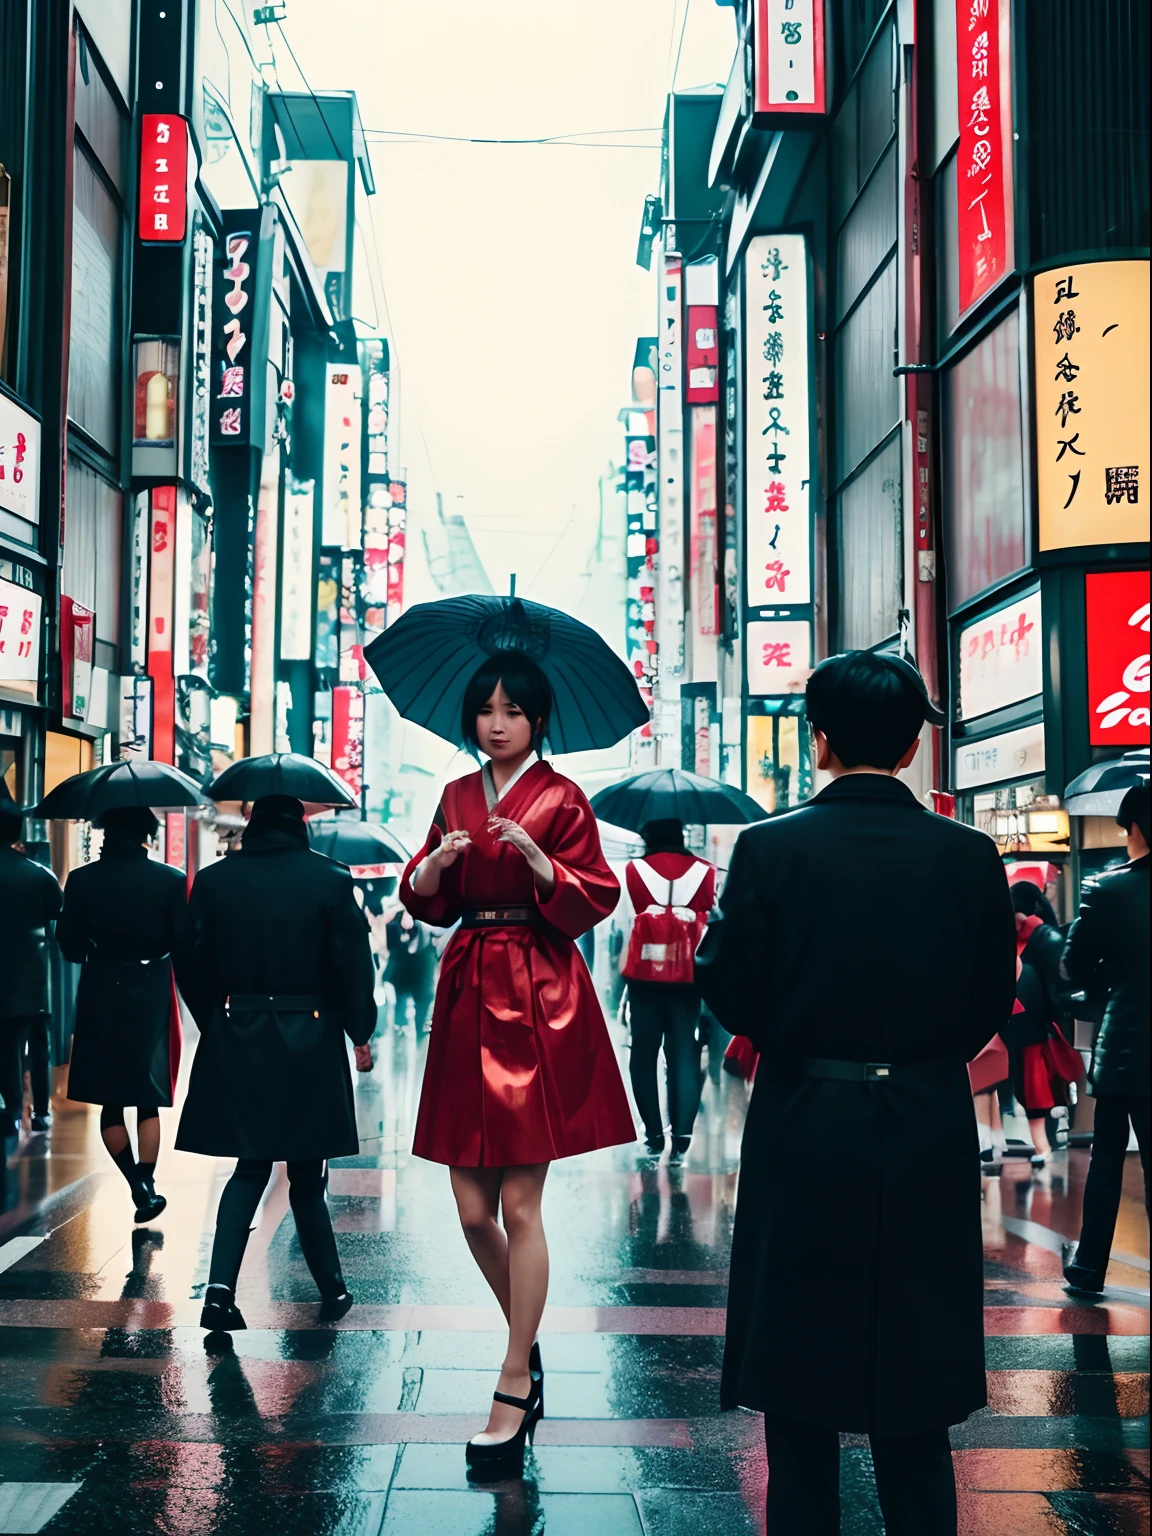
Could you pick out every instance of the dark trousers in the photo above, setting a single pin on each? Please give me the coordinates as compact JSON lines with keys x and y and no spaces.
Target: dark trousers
{"x":307,"y":1183}
{"x":1106,"y":1173}
{"x":36,"y":1039}
{"x":914,"y":1480}
{"x":11,"y":1069}
{"x":668,"y":1015}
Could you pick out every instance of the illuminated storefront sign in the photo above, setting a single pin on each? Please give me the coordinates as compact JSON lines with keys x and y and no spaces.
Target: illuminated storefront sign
{"x":20,"y":611}
{"x":1116,"y":616}
{"x":160,"y":605}
{"x":296,"y":593}
{"x":788,"y":59}
{"x":348,"y":737}
{"x":240,"y":306}
{"x":702,"y":355}
{"x":984,"y":155}
{"x":1091,"y":357}
{"x":1015,"y":754}
{"x":779,"y":653}
{"x":704,"y":552}
{"x":778,"y":457}
{"x":342,"y":426}
{"x":19,"y":461}
{"x":163,"y":177}
{"x":77,"y":631}
{"x":1001,"y":658}
{"x":670,"y":472}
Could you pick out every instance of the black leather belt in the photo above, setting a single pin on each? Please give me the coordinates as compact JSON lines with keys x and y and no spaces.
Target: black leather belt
{"x":500,"y":917}
{"x":272,"y":1002}
{"x":865,"y":1071}
{"x":846,"y":1071}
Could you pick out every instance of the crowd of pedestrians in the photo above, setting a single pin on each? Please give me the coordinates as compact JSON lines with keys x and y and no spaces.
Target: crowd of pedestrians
{"x":858,"y":1029}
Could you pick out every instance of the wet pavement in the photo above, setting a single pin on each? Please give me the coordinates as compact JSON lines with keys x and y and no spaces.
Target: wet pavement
{"x":117,"y":1416}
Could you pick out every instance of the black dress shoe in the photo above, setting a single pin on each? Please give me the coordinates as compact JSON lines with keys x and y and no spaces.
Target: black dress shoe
{"x":680,"y":1145}
{"x":220,"y":1313}
{"x":149,"y":1205}
{"x":1078,"y":1277}
{"x":40,"y":1123}
{"x":333,"y":1308}
{"x":654,"y":1145}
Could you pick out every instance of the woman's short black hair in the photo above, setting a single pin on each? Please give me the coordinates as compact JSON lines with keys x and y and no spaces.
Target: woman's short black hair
{"x":868,"y":712}
{"x":132,"y":821}
{"x":525,"y":685}
{"x":1030,"y":901}
{"x":663,"y":836}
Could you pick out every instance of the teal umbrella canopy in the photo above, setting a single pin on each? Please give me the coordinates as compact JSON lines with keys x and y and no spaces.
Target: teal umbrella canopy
{"x":425,"y":661}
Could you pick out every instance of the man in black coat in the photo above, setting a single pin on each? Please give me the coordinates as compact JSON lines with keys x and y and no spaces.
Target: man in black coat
{"x":279,"y":968}
{"x":30,"y":902}
{"x":1107,"y":953}
{"x":867,"y":947}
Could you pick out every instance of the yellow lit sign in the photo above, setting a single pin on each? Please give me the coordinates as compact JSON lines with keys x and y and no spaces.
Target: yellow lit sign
{"x":1091,"y":354}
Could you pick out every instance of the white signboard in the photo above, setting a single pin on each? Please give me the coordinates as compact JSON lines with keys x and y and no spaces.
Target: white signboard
{"x":1015,"y":754}
{"x":297,"y":599}
{"x":670,"y":482}
{"x":1001,"y":658}
{"x":19,"y":634}
{"x":19,"y":461}
{"x":791,"y":39}
{"x":778,"y":453}
{"x":779,"y":653}
{"x":342,"y":511}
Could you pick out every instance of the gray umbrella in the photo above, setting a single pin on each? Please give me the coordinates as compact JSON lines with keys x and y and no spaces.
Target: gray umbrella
{"x":1099,"y":790}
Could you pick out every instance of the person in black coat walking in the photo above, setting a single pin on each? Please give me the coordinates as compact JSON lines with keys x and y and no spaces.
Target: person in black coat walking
{"x":866,"y":947}
{"x":30,"y":902}
{"x":1107,"y":953}
{"x":279,"y":968}
{"x":1043,"y":999}
{"x":123,"y":922}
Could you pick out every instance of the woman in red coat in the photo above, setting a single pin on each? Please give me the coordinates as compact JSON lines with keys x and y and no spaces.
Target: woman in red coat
{"x":520,"y":1067}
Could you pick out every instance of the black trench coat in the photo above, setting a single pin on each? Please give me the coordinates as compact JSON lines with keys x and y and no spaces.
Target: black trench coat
{"x":124,"y":919}
{"x":863,"y":928}
{"x":281,"y":920}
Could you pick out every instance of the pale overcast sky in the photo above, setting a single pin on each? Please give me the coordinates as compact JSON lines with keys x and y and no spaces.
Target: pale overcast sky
{"x":510,"y":271}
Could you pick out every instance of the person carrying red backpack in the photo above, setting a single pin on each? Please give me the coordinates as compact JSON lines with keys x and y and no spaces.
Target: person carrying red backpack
{"x":672,"y":891}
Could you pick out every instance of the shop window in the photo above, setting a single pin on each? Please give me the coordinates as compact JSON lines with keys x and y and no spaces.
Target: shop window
{"x":985,"y":522}
{"x":868,"y":397}
{"x":877,"y":102}
{"x":93,"y":361}
{"x":99,"y":116}
{"x":93,"y":547}
{"x":871,"y":552}
{"x":868,"y":235}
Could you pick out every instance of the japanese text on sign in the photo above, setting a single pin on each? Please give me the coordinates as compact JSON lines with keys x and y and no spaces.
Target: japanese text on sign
{"x":984,"y":155}
{"x":1001,"y":658}
{"x":1116,"y":613}
{"x":163,"y":211}
{"x":1091,"y":356}
{"x":788,"y":57}
{"x":778,"y":456}
{"x":19,"y":633}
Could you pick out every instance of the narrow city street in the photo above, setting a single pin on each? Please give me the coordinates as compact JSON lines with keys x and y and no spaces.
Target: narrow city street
{"x":118,"y":1415}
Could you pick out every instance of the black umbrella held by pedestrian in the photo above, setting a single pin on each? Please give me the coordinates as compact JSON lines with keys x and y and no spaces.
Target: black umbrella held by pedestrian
{"x":356,"y":842}
{"x":281,"y":773}
{"x":425,"y":661}
{"x":672,"y":794}
{"x":115,"y":787}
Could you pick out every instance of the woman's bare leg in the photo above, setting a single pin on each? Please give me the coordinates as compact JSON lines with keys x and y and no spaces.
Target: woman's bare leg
{"x":1038,"y":1129}
{"x":148,"y":1140}
{"x":477,"y":1192}
{"x":521,"y":1190}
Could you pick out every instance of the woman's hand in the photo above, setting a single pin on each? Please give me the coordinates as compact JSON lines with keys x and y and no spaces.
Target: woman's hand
{"x":538,"y":862}
{"x":451,"y":847}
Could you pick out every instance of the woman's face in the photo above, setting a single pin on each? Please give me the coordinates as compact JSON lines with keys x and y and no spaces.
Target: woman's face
{"x":503,"y":730}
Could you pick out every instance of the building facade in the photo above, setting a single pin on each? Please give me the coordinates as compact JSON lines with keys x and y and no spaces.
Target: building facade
{"x":905,"y":308}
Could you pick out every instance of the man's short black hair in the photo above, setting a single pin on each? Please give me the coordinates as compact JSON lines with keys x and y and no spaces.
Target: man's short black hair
{"x":868,"y":712}
{"x":1133,"y":810}
{"x":10,"y":828}
{"x":525,"y":685}
{"x":135,"y":822}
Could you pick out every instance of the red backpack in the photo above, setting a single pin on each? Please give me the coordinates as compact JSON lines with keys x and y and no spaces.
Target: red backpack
{"x":665,"y":935}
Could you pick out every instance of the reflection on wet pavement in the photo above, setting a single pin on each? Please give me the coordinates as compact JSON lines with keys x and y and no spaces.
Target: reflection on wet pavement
{"x":117,"y":1415}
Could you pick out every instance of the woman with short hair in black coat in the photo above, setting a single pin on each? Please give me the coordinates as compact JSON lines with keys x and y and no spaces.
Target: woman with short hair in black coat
{"x":123,"y":922}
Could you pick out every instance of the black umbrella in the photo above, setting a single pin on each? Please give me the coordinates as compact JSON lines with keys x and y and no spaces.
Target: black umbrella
{"x":1099,"y":790}
{"x":356,"y":842}
{"x":139,"y":781}
{"x":426,"y":659}
{"x":671,"y":794}
{"x":281,"y":773}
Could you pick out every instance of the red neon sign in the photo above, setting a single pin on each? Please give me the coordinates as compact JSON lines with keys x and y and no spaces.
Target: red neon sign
{"x":1116,"y":611}
{"x":163,"y":211}
{"x":984,"y":156}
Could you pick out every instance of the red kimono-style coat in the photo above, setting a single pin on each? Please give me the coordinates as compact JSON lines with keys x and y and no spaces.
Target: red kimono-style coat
{"x":520,"y":1066}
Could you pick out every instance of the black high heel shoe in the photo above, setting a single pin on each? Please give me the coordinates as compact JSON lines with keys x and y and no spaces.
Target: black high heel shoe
{"x":536,"y":1371}
{"x":494,"y":1463}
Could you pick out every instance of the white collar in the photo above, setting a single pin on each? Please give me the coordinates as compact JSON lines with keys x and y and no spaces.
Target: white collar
{"x":490,"y":792}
